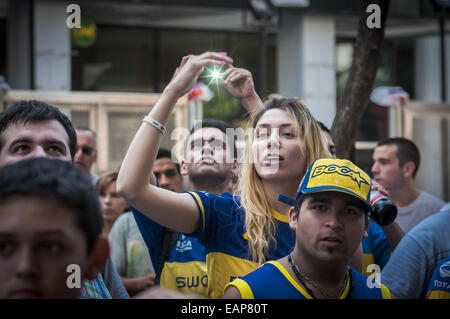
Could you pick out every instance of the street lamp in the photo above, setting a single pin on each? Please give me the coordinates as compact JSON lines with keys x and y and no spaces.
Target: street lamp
{"x":262,"y":9}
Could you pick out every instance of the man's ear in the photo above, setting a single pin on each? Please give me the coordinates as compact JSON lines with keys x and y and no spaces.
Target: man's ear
{"x":366,"y":228}
{"x":97,"y":258}
{"x":183,"y":168}
{"x":408,"y":169}
{"x":292,"y":218}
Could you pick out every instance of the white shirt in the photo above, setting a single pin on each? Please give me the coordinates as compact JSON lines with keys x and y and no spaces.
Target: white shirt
{"x":424,"y":206}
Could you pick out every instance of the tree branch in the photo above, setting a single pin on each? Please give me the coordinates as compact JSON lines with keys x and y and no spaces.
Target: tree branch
{"x":361,"y":79}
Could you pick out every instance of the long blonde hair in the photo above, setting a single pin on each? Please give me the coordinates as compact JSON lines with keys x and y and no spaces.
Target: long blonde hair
{"x":259,"y":222}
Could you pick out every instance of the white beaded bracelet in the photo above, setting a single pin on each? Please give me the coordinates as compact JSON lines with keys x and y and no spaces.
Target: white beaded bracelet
{"x":147,"y":119}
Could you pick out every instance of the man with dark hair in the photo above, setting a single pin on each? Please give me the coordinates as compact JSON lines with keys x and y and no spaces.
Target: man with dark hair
{"x":180,"y":260}
{"x":396,"y":162}
{"x":86,"y":154}
{"x":35,"y":129}
{"x":51,"y":224}
{"x":381,"y":240}
{"x":330,"y":216}
{"x":210,"y":157}
{"x":167,"y":172}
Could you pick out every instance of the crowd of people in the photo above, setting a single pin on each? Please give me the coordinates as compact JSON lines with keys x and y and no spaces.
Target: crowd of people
{"x":289,"y":220}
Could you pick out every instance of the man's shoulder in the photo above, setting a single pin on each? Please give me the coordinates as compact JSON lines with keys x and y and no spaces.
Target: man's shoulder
{"x":225,"y":199}
{"x":430,"y":227}
{"x":125,"y":220}
{"x":426,"y":197}
{"x":425,"y":203}
{"x":125,"y":217}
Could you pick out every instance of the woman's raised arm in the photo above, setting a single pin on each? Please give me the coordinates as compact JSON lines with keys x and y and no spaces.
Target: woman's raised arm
{"x":170,"y":209}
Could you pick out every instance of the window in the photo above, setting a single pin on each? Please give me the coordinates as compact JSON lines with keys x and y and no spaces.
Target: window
{"x":137,"y":59}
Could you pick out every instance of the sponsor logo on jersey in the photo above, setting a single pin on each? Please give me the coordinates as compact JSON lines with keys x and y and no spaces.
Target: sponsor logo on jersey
{"x":192,"y":281}
{"x":444,"y":270}
{"x":183,"y":244}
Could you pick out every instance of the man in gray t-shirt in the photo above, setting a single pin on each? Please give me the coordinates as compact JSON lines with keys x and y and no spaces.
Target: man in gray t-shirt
{"x":425,"y":205}
{"x":396,"y":162}
{"x":410,"y":267}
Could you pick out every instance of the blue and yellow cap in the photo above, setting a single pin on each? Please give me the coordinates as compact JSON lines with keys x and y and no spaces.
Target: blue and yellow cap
{"x":338,"y":175}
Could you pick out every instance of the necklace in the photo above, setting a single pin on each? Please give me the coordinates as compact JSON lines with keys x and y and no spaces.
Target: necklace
{"x":301,"y":278}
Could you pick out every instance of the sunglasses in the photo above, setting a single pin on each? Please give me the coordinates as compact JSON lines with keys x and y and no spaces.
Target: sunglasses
{"x":86,"y":150}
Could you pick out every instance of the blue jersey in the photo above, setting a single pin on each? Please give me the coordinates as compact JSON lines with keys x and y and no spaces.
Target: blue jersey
{"x":185,"y":268}
{"x":376,"y":248}
{"x":439,"y":286}
{"x":222,"y":231}
{"x":273,"y":281}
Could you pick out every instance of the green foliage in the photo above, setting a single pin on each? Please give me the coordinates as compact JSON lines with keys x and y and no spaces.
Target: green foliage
{"x":223,"y":106}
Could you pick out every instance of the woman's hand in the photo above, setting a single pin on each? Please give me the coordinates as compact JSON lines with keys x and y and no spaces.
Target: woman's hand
{"x":239,"y":83}
{"x":191,"y":66}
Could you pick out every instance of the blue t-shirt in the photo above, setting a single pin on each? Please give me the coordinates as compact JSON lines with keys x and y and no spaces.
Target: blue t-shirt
{"x":185,"y":268}
{"x":408,"y":272}
{"x":222,"y":231}
{"x":439,"y":286}
{"x":376,"y":248}
{"x":273,"y":281}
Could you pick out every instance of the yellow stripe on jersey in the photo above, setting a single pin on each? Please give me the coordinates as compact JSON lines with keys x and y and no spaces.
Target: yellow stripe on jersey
{"x":346,"y":290}
{"x":200,"y":204}
{"x":222,"y":269}
{"x":438,"y":294}
{"x":281,"y":217}
{"x":385,"y":293}
{"x":291,"y":280}
{"x":244,"y":289}
{"x":300,"y":288}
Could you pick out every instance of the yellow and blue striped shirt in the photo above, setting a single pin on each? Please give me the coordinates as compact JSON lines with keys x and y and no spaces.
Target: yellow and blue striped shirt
{"x":222,"y":231}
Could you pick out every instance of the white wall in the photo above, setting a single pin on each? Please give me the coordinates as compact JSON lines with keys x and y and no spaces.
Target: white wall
{"x":306,"y":62}
{"x":428,"y":130}
{"x":428,"y":68}
{"x":52,"y":48}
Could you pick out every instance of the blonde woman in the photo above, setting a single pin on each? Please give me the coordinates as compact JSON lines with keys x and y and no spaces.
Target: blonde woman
{"x":239,"y":232}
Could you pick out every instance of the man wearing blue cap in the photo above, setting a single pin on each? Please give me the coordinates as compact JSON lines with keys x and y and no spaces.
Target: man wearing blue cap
{"x":330,"y":217}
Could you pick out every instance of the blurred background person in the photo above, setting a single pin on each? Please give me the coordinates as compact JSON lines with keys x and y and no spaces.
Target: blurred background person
{"x":86,"y":154}
{"x":113,"y":205}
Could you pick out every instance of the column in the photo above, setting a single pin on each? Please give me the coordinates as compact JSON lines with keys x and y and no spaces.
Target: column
{"x":52,"y":47}
{"x":306,"y":62}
